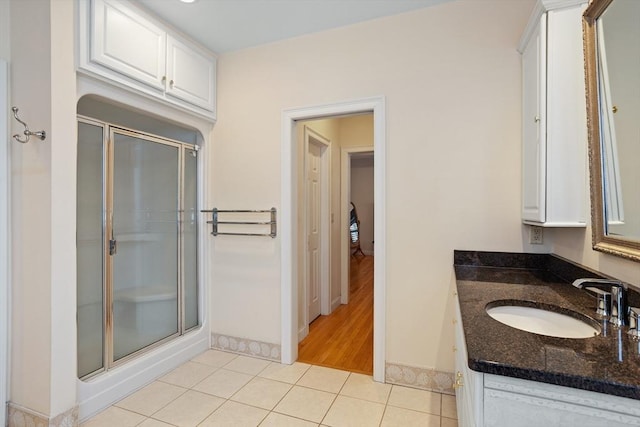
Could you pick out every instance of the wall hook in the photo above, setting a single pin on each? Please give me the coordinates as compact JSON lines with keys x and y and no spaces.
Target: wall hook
{"x":39,"y":134}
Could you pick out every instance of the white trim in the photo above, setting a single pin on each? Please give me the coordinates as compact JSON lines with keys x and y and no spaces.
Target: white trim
{"x":345,"y":190}
{"x":5,"y":275}
{"x":541,"y":7}
{"x":289,"y":294}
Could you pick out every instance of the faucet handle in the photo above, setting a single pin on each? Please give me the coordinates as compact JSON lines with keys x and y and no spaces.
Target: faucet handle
{"x":634,"y":315}
{"x":603,"y":305}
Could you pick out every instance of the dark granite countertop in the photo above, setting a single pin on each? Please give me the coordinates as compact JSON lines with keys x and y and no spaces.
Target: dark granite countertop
{"x":608,"y":363}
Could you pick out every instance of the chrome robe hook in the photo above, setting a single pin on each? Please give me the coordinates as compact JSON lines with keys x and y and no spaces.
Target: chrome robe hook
{"x":39,"y":134}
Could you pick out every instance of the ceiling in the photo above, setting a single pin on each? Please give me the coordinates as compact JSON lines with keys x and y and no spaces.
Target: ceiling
{"x":227,"y":25}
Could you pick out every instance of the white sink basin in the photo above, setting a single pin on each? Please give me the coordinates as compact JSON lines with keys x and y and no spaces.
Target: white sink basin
{"x":543,"y":322}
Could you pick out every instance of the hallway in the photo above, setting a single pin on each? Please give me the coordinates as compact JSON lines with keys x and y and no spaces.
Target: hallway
{"x":344,"y":339}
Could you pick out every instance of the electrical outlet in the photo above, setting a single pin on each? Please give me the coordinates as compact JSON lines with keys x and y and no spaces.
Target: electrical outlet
{"x":535,"y":235}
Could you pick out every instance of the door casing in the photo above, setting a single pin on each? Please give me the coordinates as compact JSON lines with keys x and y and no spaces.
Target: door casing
{"x":345,"y":189}
{"x":289,"y":237}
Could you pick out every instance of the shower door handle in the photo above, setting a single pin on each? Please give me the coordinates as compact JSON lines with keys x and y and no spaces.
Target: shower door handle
{"x":113,"y":247}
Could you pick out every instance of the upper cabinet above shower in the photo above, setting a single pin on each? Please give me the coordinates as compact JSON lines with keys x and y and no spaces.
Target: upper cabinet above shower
{"x":121,"y":43}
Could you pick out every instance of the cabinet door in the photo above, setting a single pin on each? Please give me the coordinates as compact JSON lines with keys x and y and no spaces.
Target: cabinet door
{"x":469,"y":383}
{"x":191,"y":74}
{"x":115,"y":27}
{"x":534,"y":126}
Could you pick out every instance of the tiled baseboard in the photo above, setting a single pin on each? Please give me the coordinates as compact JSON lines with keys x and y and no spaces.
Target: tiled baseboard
{"x":263,"y":350}
{"x":23,"y":417}
{"x":422,"y":378}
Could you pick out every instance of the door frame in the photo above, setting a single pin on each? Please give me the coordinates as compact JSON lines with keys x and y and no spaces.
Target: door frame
{"x":325,"y":226}
{"x":5,"y":257}
{"x":345,"y":193}
{"x":289,"y":237}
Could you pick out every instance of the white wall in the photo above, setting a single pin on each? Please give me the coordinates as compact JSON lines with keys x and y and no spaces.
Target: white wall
{"x":451,"y":77}
{"x":43,"y":256}
{"x":4,"y":206}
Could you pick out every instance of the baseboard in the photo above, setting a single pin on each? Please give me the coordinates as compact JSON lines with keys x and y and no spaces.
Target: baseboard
{"x":417,"y":377}
{"x":336,"y":303}
{"x":303,"y":332}
{"x":247,"y":347}
{"x":19,"y":416}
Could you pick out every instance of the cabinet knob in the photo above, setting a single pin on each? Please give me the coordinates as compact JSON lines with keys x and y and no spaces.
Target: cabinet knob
{"x":454,"y":321}
{"x":615,"y":109}
{"x":164,"y":79}
{"x":171,"y":83}
{"x":536,"y":119}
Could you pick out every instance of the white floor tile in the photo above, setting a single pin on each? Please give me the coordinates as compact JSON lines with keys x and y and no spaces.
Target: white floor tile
{"x":278,"y":420}
{"x":449,"y":409}
{"x":363,"y":387}
{"x":215,"y":358}
{"x":285,"y":373}
{"x":114,"y":416}
{"x":188,"y":374}
{"x":151,"y":398}
{"x":418,"y":400}
{"x":262,"y":392}
{"x":223,"y":383}
{"x":350,"y":412}
{"x":247,"y":365}
{"x":305,"y":403}
{"x":150,"y":422}
{"x":448,"y":422}
{"x":400,"y":417}
{"x":325,"y":379}
{"x":189,"y":409}
{"x":233,"y":414}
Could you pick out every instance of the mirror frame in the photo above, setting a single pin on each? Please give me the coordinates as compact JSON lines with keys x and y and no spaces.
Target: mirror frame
{"x":619,"y":246}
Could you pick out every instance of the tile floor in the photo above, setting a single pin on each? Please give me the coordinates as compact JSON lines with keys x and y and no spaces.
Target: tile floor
{"x":224,"y":389}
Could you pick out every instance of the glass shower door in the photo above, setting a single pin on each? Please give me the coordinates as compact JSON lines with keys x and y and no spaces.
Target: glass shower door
{"x":89,"y":241}
{"x":143,"y":241}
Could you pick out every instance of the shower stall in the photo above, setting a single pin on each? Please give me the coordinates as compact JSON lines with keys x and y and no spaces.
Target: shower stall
{"x":137,"y":229}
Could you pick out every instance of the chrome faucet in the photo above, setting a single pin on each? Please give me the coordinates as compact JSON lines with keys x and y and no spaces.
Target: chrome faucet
{"x":617,"y":296}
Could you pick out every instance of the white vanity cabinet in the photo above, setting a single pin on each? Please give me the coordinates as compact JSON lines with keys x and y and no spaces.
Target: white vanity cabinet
{"x":467,"y":383}
{"x":486,"y":400}
{"x":554,"y":124}
{"x":126,"y":46}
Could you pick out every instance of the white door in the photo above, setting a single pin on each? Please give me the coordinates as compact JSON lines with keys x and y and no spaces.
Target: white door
{"x":313,"y":208}
{"x":533,"y":127}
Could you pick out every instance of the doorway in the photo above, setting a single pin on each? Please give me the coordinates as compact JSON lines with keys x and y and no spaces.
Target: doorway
{"x":289,"y":235}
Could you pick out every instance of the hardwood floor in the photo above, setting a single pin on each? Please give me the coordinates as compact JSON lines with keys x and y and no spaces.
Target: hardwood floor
{"x":344,"y":339}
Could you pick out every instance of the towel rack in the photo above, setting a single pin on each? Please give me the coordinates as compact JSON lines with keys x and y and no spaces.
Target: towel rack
{"x":215,"y":222}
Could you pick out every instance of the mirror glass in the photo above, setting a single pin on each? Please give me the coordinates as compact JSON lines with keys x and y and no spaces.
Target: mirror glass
{"x":612,"y":63}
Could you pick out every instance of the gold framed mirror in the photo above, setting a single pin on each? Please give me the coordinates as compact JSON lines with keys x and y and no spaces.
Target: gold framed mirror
{"x":612,"y":66}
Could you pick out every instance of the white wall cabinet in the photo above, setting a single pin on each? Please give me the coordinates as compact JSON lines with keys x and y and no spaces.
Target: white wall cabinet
{"x":554,"y":124}
{"x":128,"y":47}
{"x":486,"y":400}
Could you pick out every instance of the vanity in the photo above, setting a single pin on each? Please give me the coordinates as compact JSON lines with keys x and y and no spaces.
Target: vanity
{"x":514,"y":371}
{"x":509,"y":377}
